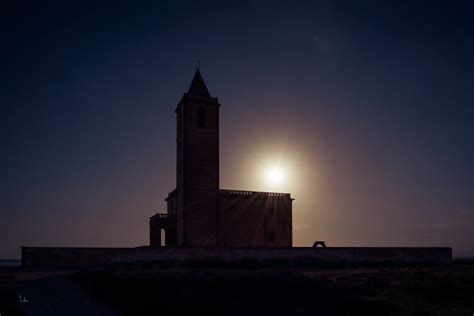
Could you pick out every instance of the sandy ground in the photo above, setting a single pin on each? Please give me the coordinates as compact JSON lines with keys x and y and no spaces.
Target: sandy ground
{"x":46,"y":293}
{"x":138,"y":290}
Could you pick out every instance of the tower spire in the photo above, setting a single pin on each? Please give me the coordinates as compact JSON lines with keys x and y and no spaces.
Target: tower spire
{"x":198,"y":87}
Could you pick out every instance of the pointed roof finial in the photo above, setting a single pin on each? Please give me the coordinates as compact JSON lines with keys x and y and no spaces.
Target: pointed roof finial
{"x":198,"y":87}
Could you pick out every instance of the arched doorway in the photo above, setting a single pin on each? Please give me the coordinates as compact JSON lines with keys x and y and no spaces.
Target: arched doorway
{"x":162,"y":237}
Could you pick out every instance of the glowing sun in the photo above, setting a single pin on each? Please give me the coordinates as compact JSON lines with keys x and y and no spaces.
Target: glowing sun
{"x":275,"y":175}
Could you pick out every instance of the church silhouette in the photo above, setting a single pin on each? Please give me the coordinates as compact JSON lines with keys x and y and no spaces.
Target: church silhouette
{"x":199,"y":213}
{"x":203,"y":223}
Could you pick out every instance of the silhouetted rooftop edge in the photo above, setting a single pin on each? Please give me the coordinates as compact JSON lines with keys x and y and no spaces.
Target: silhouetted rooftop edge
{"x":198,"y":87}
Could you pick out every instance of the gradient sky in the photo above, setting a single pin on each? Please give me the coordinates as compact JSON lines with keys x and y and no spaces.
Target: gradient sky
{"x":367,"y":105}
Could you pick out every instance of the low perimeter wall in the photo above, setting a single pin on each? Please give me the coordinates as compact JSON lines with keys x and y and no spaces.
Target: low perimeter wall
{"x":59,"y":256}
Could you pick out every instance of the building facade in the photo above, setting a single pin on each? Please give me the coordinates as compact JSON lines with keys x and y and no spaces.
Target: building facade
{"x":199,"y":213}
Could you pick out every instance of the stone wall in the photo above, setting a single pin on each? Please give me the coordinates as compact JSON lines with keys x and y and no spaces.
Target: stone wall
{"x":60,"y":257}
{"x":254,"y":219}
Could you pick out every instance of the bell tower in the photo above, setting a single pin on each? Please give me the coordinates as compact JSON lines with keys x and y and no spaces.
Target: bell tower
{"x":197,"y":166}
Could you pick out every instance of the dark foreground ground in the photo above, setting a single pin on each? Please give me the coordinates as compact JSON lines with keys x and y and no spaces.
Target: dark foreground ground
{"x":144,"y":290}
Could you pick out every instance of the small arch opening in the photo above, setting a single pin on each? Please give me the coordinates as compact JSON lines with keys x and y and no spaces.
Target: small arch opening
{"x":271,"y":239}
{"x":163,"y":237}
{"x":319,"y":244}
{"x":201,"y":117}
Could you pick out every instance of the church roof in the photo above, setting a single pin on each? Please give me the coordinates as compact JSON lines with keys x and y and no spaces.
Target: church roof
{"x":198,"y":87}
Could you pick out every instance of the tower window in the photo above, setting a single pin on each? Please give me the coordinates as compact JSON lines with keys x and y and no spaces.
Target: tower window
{"x":201,"y":117}
{"x":271,"y":237}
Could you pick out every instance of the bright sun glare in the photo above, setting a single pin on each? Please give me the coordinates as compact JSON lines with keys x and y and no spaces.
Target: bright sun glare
{"x":275,"y":175}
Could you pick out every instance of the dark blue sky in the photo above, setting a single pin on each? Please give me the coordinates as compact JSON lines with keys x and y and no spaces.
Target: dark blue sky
{"x":369,"y":103}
